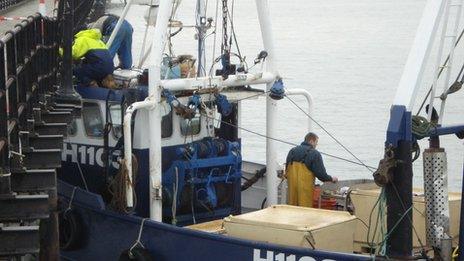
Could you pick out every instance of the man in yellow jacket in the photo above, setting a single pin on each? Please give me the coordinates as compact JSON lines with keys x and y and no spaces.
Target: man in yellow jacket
{"x":304,"y":164}
{"x":96,"y":62}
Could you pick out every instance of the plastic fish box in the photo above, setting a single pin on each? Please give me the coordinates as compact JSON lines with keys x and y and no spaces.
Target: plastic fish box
{"x":296,"y":226}
{"x":364,"y":201}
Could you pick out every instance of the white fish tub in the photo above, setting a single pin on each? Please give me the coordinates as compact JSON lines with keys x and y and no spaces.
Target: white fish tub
{"x":296,"y":226}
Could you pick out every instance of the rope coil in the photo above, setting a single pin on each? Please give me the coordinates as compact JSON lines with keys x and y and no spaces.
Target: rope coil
{"x":421,"y":126}
{"x":118,"y":186}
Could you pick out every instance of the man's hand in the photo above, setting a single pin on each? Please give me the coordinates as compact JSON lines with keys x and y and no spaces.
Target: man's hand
{"x":334,"y":179}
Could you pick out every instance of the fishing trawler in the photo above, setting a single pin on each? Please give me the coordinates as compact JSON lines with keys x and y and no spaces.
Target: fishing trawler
{"x":154,"y":170}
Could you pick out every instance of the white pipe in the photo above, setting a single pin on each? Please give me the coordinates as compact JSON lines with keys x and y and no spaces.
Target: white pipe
{"x":154,"y":92}
{"x":272,"y":167}
{"x":417,"y":59}
{"x":119,"y":23}
{"x":439,"y":57}
{"x":309,"y":99}
{"x":128,"y":145}
{"x":218,"y":81}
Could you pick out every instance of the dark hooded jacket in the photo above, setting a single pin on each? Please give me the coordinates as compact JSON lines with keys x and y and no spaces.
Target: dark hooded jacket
{"x":307,"y":154}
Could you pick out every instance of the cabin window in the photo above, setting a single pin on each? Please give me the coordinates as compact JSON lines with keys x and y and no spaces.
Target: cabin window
{"x":166,"y":120}
{"x":190,"y":127}
{"x":72,"y":128}
{"x":116,"y":120}
{"x":93,"y":120}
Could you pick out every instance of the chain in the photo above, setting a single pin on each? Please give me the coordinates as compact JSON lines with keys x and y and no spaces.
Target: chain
{"x":225,"y":10}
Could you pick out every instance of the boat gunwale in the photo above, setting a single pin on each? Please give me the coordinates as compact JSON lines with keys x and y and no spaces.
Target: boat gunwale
{"x":198,"y":233}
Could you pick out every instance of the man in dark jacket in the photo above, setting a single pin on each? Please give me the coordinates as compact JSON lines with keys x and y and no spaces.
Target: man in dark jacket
{"x":304,"y":164}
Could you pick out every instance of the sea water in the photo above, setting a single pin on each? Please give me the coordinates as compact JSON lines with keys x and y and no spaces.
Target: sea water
{"x":349,"y":55}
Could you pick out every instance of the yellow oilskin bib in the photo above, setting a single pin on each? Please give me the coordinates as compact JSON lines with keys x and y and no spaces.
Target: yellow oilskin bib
{"x":300,"y":185}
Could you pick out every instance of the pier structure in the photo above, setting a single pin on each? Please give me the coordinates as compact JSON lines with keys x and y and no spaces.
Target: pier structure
{"x":32,"y":128}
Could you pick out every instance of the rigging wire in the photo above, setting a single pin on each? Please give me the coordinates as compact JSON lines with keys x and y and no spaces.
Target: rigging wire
{"x":409,"y":219}
{"x":232,"y":27}
{"x":173,"y":13}
{"x":201,"y":38}
{"x":377,"y":204}
{"x":252,"y":96}
{"x":215,"y":36}
{"x":380,"y":200}
{"x":440,"y":72}
{"x":144,"y":42}
{"x":332,"y":136}
{"x":286,"y":142}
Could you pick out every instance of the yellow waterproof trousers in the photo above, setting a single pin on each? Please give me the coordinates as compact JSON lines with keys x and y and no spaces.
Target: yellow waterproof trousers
{"x":300,"y":185}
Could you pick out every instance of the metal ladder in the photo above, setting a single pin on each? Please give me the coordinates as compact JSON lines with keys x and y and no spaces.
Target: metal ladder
{"x":451,"y":41}
{"x":434,"y":158}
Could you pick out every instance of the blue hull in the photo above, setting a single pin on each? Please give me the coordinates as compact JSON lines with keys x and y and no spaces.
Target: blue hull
{"x":106,"y":234}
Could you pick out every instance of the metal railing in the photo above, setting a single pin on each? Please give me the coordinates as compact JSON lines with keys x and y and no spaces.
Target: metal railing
{"x":28,"y":70}
{"x":5,"y":4}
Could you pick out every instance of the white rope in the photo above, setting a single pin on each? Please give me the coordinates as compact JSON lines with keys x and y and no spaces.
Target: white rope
{"x":71,"y":199}
{"x":139,"y":237}
{"x":174,"y":197}
{"x":80,"y":171}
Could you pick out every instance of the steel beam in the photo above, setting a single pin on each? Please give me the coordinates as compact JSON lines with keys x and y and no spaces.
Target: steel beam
{"x":33,"y":180}
{"x":399,"y":203}
{"x":19,"y":240}
{"x":23,"y":207}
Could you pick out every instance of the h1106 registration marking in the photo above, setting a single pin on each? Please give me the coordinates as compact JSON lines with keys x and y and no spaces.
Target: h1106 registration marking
{"x":266,"y":255}
{"x":86,"y":154}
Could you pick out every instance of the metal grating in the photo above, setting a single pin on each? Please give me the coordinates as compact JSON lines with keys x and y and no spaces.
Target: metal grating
{"x":5,"y":4}
{"x":436,"y":197}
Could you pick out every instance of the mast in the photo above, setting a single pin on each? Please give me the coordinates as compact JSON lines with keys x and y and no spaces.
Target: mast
{"x":201,"y":28}
{"x":461,"y":224}
{"x":271,"y":105}
{"x":398,"y":178}
{"x":154,"y":92}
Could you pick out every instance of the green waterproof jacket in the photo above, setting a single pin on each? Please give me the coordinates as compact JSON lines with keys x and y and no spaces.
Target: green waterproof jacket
{"x":85,"y":41}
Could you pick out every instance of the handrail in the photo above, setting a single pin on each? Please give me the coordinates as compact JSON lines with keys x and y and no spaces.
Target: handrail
{"x":128,"y":144}
{"x":28,"y":66}
{"x":309,"y":99}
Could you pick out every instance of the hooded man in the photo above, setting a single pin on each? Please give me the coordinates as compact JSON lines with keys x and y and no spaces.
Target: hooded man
{"x":304,"y":164}
{"x":122,"y":43}
{"x":96,"y":63}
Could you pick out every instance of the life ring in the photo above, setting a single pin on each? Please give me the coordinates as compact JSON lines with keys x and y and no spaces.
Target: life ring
{"x":71,"y":230}
{"x":138,"y":254}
